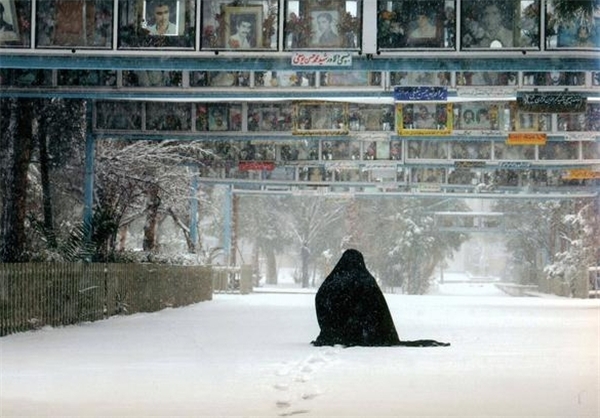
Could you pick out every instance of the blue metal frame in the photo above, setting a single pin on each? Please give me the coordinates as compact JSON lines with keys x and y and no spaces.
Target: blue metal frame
{"x":116,"y":60}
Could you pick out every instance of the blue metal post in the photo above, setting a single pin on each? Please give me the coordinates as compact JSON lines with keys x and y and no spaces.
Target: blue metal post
{"x":227,"y":220}
{"x":194,"y":208}
{"x":88,"y":208}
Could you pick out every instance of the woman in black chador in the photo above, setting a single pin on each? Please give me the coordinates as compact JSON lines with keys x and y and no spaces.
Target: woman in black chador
{"x":352,"y":311}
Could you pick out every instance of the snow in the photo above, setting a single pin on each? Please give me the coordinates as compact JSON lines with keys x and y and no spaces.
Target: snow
{"x":249,"y":355}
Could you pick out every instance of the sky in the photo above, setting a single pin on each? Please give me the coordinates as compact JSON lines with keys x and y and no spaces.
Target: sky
{"x":250,"y":356}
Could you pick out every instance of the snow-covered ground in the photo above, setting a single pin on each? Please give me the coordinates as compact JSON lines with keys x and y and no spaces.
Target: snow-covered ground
{"x":250,"y":356}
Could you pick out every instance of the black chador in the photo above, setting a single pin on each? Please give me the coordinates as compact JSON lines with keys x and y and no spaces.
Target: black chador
{"x":352,"y":310}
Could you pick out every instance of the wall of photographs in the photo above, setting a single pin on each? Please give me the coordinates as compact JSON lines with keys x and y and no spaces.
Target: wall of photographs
{"x":305,"y":24}
{"x":257,"y":141}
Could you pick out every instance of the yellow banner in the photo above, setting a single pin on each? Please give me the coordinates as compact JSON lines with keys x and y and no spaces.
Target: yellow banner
{"x":581,"y":174}
{"x":526,"y":138}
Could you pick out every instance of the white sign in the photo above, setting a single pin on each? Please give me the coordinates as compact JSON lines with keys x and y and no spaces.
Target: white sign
{"x":322,"y":59}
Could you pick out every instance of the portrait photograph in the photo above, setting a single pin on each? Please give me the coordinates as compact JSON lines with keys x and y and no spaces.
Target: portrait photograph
{"x":425,"y":27}
{"x":163,"y":17}
{"x":488,"y":24}
{"x":477,"y":116}
{"x":321,"y":118}
{"x":243,"y":28}
{"x":324,"y":28}
{"x":217,"y":118}
{"x":8,"y":23}
{"x":424,"y":118}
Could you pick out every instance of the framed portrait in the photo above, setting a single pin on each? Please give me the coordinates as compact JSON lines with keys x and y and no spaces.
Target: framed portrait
{"x":532,"y":122}
{"x":424,"y":118}
{"x":164,"y":18}
{"x":319,"y":118}
{"x":269,"y":118}
{"x":499,"y":25}
{"x":476,"y":116}
{"x":574,"y":27}
{"x":325,"y":21}
{"x":218,"y":117}
{"x":416,"y":24}
{"x":243,"y":27}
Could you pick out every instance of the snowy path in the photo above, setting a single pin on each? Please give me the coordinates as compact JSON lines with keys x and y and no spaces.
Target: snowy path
{"x":250,"y":356}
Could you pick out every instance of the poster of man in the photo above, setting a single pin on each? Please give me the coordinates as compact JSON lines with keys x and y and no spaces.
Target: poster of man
{"x":243,"y":27}
{"x":324,"y":29}
{"x":162,"y":17}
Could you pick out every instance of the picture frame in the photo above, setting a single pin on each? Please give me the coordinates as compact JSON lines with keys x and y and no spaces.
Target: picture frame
{"x":9,"y":27}
{"x":425,"y":25}
{"x":476,"y":116}
{"x":218,"y":118}
{"x":175,"y":27}
{"x":325,"y":20}
{"x":321,"y":118}
{"x":422,"y":24}
{"x":431,"y":118}
{"x":492,"y":25}
{"x":532,"y":122}
{"x":243,"y":27}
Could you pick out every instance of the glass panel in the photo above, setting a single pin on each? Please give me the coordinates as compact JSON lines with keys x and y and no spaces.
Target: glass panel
{"x":21,"y":77}
{"x":559,"y":151}
{"x":285,"y":78}
{"x":477,"y":116}
{"x":218,"y":117}
{"x":350,"y":78}
{"x":321,"y":118}
{"x":239,"y":25}
{"x":572,"y":24}
{"x":593,"y":117}
{"x":340,"y":150}
{"x":370,"y":117}
{"x":300,"y":151}
{"x":99,"y":78}
{"x":15,"y":23}
{"x":419,"y":78}
{"x":428,"y":175}
{"x":119,"y":115}
{"x":569,"y":122}
{"x":168,"y":116}
{"x":75,"y":23}
{"x":323,"y":24}
{"x":537,"y":122}
{"x":273,"y":117}
{"x":416,"y":24}
{"x":157,"y":24}
{"x":145,"y":78}
{"x":486,"y":78}
{"x":257,"y":151}
{"x":493,"y":24}
{"x":513,"y":152}
{"x":311,"y":174}
{"x":396,"y":150}
{"x":427,"y":149}
{"x":219,"y":79}
{"x":591,"y":150}
{"x":554,"y":78}
{"x":424,"y":118}
{"x":471,"y":150}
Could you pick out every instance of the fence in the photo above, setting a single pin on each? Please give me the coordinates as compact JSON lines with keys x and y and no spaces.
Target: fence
{"x":33,"y":295}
